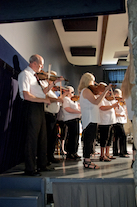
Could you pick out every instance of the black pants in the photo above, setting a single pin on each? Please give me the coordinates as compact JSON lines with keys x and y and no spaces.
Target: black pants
{"x":110,"y":136}
{"x":104,"y":135}
{"x":35,"y":134}
{"x":73,"y":136}
{"x":120,"y":136}
{"x":51,"y":120}
{"x":62,"y":126}
{"x":89,"y":134}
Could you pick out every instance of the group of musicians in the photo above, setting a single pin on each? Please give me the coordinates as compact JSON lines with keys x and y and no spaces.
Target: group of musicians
{"x":42,"y":105}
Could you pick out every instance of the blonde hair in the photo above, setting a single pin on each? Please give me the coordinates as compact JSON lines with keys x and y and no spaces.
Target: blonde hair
{"x":126,"y":85}
{"x":85,"y":81}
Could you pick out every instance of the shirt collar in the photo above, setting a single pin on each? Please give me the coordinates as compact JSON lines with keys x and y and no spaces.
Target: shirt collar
{"x":31,"y":70}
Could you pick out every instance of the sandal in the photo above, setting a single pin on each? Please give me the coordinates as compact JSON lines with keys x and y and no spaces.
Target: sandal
{"x":111,"y":157}
{"x":104,"y":159}
{"x":90,"y":165}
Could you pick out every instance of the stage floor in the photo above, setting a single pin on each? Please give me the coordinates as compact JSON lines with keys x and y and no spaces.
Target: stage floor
{"x":118,"y":168}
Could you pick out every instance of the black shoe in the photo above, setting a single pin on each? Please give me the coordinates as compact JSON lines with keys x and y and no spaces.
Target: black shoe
{"x":49,"y":163}
{"x":46,"y":169}
{"x":54,"y":160}
{"x":115,"y":154}
{"x":126,"y":156}
{"x":70,"y":157}
{"x":32,"y":173}
{"x":77,"y":156}
{"x":126,"y":153}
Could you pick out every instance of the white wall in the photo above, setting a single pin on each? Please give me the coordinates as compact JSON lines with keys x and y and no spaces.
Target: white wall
{"x":21,"y":36}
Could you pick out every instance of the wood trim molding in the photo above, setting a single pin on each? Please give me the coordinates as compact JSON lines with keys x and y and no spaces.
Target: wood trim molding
{"x":103,"y":37}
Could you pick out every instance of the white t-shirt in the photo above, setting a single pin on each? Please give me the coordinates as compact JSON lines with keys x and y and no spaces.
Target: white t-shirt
{"x":54,"y":106}
{"x":28,"y":82}
{"x":67,"y":102}
{"x":107,"y":117}
{"x":121,"y":111}
{"x":89,"y":111}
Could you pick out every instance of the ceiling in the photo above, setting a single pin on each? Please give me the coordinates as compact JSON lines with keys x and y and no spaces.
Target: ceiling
{"x":105,"y":43}
{"x":101,"y":43}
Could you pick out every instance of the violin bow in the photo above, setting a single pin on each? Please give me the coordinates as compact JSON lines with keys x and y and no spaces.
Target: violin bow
{"x":113,"y":94}
{"x":60,"y":89}
{"x":49,"y":70}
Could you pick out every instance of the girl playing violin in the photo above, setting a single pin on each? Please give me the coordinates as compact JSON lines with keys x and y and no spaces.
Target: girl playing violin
{"x":107,"y":118}
{"x":90,"y":115}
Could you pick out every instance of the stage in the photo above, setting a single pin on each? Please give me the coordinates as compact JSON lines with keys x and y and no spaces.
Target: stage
{"x":118,"y":168}
{"x":71,"y":185}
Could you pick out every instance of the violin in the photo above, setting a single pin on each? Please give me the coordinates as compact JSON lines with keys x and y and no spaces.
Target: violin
{"x":58,"y":88}
{"x":75,"y":98}
{"x":42,"y":75}
{"x":98,"y":88}
{"x":119,"y":99}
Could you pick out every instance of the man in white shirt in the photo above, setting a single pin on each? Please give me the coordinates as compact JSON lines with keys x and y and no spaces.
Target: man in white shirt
{"x":34,"y":97}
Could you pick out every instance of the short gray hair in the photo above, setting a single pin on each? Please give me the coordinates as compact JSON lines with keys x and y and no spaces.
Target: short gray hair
{"x":35,"y":58}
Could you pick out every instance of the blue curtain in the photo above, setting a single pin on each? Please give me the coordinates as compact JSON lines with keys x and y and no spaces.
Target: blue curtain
{"x":114,"y":76}
{"x":11,"y":139}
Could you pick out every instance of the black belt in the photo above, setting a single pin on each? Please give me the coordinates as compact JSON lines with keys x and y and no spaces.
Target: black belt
{"x":54,"y":114}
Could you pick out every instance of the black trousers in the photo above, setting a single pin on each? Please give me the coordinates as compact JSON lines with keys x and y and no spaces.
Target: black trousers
{"x":73,"y":136}
{"x":89,"y":135}
{"x":120,"y":136}
{"x":104,"y":135}
{"x":51,"y":120}
{"x":62,"y":126}
{"x":35,"y":134}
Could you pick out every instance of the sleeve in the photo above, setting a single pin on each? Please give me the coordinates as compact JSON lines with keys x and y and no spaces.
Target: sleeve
{"x":24,"y":82}
{"x":66,"y":103}
{"x":44,"y":83}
